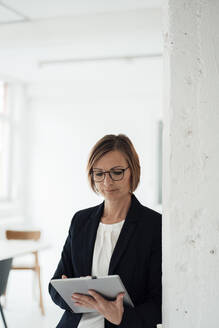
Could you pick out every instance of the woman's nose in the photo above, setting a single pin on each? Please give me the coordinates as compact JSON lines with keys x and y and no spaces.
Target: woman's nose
{"x":107,"y":179}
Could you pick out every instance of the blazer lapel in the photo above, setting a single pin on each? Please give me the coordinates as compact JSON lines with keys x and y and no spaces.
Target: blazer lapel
{"x":127,"y":231}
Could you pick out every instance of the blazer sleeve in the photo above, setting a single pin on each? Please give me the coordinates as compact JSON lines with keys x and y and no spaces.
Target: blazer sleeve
{"x":149,"y":314}
{"x":64,"y":267}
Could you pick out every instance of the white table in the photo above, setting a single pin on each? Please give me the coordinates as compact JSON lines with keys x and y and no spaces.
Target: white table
{"x":14,"y":248}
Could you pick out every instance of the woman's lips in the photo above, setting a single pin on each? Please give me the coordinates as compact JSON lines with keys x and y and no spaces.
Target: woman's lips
{"x":110,"y":190}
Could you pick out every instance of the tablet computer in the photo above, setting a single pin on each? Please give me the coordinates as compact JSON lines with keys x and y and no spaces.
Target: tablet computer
{"x":108,"y":286}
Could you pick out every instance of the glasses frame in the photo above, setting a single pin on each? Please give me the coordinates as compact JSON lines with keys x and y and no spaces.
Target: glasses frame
{"x":109,"y":172}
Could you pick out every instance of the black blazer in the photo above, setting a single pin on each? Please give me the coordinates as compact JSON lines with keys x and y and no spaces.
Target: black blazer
{"x":136,"y":259}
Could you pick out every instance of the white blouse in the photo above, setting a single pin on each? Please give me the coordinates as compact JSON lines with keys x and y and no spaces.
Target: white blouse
{"x":106,"y":238}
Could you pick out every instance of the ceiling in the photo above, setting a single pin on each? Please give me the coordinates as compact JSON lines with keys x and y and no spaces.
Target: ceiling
{"x":68,"y":39}
{"x":12,"y":11}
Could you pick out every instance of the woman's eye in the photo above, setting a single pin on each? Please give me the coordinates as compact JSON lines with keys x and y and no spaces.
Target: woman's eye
{"x":98,"y":174}
{"x":117,"y":172}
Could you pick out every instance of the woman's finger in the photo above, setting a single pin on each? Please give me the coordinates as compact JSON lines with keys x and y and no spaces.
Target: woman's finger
{"x":86,"y":302}
{"x":78,"y":304}
{"x":119,"y":299}
{"x":96,"y":296}
{"x":64,"y":277}
{"x":83,"y":299}
{"x":120,"y":296}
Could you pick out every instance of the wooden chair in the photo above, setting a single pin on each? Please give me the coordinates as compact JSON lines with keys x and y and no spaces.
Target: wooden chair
{"x":28,"y":235}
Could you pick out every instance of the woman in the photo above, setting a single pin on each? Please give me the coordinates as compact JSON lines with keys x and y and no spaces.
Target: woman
{"x":120,"y":236}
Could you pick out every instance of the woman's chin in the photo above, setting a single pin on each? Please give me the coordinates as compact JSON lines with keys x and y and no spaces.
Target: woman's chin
{"x":114,"y":195}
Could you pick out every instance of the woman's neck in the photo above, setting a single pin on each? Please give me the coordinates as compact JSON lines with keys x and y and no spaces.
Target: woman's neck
{"x":115,"y":211}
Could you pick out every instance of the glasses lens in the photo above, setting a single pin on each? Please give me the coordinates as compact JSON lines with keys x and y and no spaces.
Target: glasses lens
{"x":98,"y":176}
{"x":116,"y":174}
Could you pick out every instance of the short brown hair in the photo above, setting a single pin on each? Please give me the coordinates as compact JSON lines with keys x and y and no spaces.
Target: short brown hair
{"x":121,"y":143}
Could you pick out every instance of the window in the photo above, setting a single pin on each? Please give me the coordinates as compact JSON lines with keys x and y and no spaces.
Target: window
{"x":12,"y":150}
{"x":5,"y":144}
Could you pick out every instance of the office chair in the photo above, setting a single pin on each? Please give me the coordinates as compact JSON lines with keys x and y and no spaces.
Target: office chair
{"x":28,"y":235}
{"x":5,"y":266}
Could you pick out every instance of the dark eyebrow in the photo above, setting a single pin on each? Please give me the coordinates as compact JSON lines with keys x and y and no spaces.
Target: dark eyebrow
{"x":114,"y":167}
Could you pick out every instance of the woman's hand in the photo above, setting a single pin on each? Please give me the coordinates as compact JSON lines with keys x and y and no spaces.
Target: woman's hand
{"x":111,"y":310}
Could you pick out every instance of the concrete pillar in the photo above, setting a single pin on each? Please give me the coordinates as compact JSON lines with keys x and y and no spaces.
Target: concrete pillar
{"x":191,"y":164}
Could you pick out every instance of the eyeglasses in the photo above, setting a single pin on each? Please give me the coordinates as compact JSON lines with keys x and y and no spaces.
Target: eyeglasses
{"x":115,"y":174}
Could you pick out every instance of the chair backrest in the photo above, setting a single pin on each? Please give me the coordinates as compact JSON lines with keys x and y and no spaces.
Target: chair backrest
{"x":5,"y":266}
{"x":23,"y":235}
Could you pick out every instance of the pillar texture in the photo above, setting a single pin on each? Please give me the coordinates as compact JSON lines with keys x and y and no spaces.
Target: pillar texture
{"x":191,"y":164}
